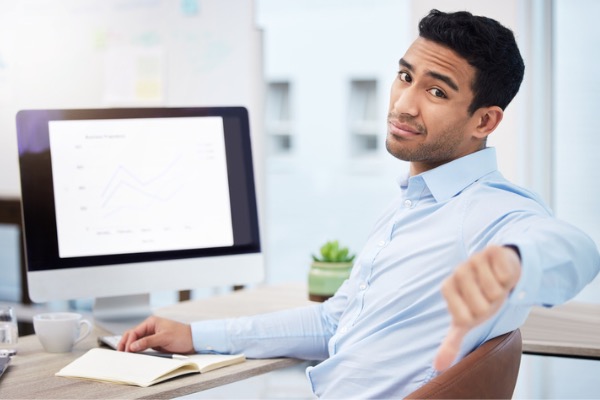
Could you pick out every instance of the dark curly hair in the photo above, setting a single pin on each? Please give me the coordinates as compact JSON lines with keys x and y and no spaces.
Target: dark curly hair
{"x":486,"y":45}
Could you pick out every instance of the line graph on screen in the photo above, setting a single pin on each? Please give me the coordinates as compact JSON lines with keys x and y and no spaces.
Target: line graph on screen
{"x":133,"y":188}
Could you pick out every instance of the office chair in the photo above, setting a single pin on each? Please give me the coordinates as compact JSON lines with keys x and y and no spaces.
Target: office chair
{"x":488,"y":372}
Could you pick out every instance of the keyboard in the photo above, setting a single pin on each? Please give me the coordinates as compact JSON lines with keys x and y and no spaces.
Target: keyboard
{"x":110,"y":340}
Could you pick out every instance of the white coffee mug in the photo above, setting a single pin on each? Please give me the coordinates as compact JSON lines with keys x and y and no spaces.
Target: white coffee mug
{"x":60,"y":331}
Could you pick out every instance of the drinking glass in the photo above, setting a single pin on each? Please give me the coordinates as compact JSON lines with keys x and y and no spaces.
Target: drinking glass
{"x":9,"y":332}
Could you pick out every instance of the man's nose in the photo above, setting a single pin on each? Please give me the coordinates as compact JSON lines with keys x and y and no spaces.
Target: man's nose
{"x":405,"y":101}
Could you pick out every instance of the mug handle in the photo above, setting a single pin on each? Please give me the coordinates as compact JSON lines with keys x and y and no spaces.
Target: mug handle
{"x":88,"y":330}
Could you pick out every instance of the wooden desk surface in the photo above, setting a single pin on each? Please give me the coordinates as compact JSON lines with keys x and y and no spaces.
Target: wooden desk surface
{"x":31,"y":372}
{"x":569,"y":330}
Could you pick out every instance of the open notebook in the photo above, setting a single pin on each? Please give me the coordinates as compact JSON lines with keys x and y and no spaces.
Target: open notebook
{"x":140,"y":369}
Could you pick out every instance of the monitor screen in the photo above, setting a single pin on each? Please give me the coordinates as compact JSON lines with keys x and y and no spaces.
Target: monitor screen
{"x":126,"y":201}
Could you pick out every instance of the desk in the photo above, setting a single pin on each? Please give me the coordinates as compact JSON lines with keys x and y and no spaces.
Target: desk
{"x":569,"y":330}
{"x":31,"y":373}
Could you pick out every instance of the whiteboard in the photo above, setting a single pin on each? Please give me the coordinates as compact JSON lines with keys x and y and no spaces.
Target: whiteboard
{"x":125,"y":53}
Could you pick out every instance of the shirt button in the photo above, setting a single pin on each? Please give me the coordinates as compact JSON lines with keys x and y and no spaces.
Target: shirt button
{"x":344,"y":330}
{"x":407,"y":203}
{"x":522,"y":295}
{"x":381,"y":243}
{"x":363,"y":286}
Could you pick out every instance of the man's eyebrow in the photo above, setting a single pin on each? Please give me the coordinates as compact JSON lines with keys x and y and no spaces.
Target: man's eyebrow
{"x":443,"y":78}
{"x":406,"y":64}
{"x":436,"y":75}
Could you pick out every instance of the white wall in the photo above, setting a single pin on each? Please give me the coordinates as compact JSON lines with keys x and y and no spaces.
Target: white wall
{"x":99,"y":53}
{"x":320,"y":191}
{"x":576,"y":104}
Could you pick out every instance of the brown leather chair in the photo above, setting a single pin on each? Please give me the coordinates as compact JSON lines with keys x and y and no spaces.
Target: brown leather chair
{"x":488,"y":372}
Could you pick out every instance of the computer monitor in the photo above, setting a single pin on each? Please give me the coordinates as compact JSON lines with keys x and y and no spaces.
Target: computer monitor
{"x":120,"y":203}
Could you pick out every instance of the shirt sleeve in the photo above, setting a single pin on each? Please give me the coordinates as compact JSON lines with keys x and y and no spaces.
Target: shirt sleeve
{"x":557,"y":261}
{"x":300,"y":333}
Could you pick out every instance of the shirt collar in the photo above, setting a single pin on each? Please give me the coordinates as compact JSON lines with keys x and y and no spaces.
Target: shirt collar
{"x":451,"y":178}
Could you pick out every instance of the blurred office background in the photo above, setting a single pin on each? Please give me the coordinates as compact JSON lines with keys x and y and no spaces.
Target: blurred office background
{"x":327,"y":66}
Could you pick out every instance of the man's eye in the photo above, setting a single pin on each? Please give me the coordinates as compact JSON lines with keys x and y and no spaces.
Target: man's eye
{"x":404,"y":76}
{"x":437,"y":93}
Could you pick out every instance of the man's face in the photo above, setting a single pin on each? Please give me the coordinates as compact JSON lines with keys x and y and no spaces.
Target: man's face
{"x":428,"y":121}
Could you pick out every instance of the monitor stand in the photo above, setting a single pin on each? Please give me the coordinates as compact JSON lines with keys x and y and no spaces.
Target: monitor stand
{"x":119,"y":313}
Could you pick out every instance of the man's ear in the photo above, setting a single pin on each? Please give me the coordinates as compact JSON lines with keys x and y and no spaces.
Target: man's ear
{"x":488,"y":119}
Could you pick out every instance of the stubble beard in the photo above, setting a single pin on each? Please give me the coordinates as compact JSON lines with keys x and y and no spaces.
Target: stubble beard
{"x":441,"y":150}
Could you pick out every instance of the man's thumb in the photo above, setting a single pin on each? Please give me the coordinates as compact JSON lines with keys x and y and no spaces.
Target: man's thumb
{"x":449,"y":348}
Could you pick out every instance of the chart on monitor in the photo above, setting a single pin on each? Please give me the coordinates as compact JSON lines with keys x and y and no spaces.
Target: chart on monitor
{"x":111,"y":175}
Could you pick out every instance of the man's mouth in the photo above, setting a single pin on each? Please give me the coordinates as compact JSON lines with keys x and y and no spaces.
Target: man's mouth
{"x":402,"y":130}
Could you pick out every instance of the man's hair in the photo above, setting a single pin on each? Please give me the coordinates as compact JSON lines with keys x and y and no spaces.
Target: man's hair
{"x":487,"y":46}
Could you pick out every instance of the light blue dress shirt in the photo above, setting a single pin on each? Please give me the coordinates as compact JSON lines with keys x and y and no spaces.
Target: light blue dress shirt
{"x":379,"y":334}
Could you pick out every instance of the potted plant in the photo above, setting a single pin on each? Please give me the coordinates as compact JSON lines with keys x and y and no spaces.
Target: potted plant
{"x":329,"y":271}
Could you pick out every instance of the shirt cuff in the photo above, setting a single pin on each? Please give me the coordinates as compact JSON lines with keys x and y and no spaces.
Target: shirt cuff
{"x":210,"y":337}
{"x":527,"y":288}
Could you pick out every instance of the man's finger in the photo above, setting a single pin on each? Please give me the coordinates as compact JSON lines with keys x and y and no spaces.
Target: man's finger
{"x":140,"y":345}
{"x":126,"y":339}
{"x":155,"y":341}
{"x":449,"y":348}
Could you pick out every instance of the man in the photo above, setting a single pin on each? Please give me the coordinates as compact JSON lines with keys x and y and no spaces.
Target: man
{"x":458,"y":258}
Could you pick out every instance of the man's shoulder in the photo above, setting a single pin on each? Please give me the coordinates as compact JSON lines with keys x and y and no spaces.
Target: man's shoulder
{"x":493,"y":191}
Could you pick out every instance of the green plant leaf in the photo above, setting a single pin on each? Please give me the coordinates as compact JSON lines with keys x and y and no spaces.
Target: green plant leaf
{"x":331,"y":252}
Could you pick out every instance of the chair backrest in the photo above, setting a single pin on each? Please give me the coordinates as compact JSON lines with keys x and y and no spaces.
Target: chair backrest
{"x":488,"y":372}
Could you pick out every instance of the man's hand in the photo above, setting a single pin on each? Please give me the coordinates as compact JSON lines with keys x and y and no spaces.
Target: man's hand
{"x":475,"y":292}
{"x":159,"y":334}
